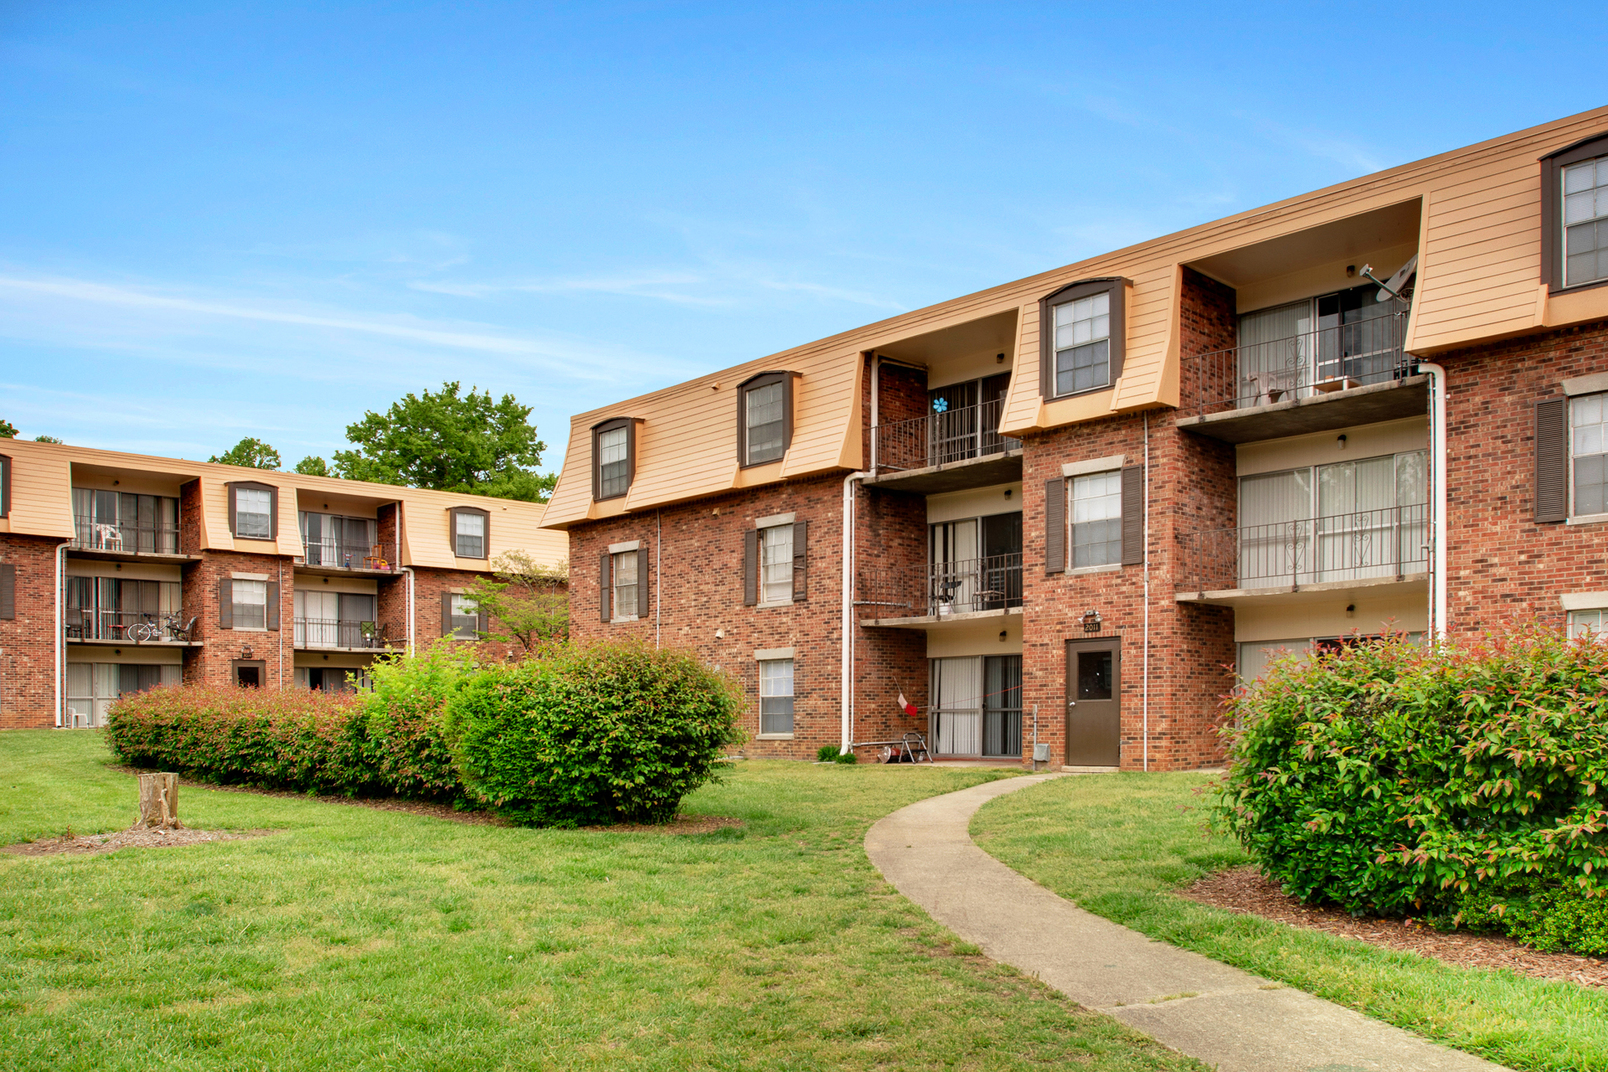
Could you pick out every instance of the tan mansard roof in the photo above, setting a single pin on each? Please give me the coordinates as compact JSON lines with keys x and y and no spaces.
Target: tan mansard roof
{"x":44,"y":473}
{"x":1473,"y":216}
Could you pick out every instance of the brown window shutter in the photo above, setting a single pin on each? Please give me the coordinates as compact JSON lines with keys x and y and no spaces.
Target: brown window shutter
{"x":750,"y":567}
{"x":1551,"y":460}
{"x":273,"y":514}
{"x":642,"y":608}
{"x":1133,"y":515}
{"x":273,"y":605}
{"x":1055,"y":525}
{"x":8,"y":591}
{"x":232,"y":531}
{"x":482,"y":621}
{"x":446,"y":614}
{"x":226,"y":601}
{"x":801,"y":576}
{"x":603,"y":609}
{"x":5,"y":485}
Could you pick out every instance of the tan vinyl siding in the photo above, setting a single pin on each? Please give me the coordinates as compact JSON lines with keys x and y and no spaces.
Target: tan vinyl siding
{"x":1479,"y":246}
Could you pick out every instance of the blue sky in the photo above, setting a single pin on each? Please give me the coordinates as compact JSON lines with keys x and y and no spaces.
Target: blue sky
{"x":263,"y":219}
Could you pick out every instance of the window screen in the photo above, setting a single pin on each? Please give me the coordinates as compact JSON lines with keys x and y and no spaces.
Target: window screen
{"x":776,"y":564}
{"x":465,"y":617}
{"x":776,"y":696}
{"x":253,"y":514}
{"x":624,"y":572}
{"x":766,"y":422}
{"x":1097,"y":519}
{"x":250,"y":604}
{"x":1588,"y":433}
{"x":470,"y":536}
{"x":613,"y":462}
{"x":1083,"y":344}
{"x":1585,"y":222}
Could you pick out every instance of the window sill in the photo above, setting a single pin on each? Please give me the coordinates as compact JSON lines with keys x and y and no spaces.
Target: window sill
{"x":256,"y":539}
{"x":1560,"y":289}
{"x":774,"y":604}
{"x":622,"y":621}
{"x":1079,"y":571}
{"x":1587,"y":519}
{"x":249,"y":629}
{"x":1079,"y":394}
{"x":773,"y":737}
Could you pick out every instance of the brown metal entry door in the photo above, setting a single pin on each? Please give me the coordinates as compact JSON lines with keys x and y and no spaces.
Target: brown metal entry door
{"x":1093,"y":691}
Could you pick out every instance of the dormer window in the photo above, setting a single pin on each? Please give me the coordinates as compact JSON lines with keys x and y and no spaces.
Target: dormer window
{"x":764,"y":418}
{"x":1574,"y":211}
{"x":470,"y":532}
{"x":613,"y":458}
{"x":1082,"y":337}
{"x":253,"y":510}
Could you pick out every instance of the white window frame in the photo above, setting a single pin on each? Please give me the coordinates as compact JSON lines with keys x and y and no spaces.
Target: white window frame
{"x":615,"y":587}
{"x":464,"y":610}
{"x":459,"y":535}
{"x":1574,"y":429}
{"x":773,"y":674}
{"x":1600,"y":219}
{"x":1113,"y":478}
{"x":621,"y":464}
{"x":243,"y":610}
{"x":780,"y":450}
{"x":775,"y":560}
{"x":253,"y":532}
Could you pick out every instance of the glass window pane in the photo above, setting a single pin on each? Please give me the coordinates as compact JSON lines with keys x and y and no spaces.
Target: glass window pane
{"x":1579,"y":177}
{"x":776,"y":564}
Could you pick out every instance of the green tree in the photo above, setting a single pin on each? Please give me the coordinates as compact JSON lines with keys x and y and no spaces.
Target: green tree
{"x":450,"y":442}
{"x":7,"y":429}
{"x":313,"y":465}
{"x":46,"y":439}
{"x":524,"y":600}
{"x":251,"y":453}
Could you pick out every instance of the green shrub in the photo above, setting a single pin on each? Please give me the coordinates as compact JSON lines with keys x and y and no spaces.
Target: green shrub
{"x":388,"y":741}
{"x":1549,"y":918}
{"x":602,"y":734}
{"x":1392,"y":778}
{"x":846,"y":757}
{"x":827,"y":753}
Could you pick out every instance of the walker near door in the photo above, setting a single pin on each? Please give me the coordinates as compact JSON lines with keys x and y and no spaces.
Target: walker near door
{"x":1094,"y":702}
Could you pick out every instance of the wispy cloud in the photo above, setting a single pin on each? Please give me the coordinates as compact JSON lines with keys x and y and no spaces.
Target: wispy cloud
{"x":1319,"y":143}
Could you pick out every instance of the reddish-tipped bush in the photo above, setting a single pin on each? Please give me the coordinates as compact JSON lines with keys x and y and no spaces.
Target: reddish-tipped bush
{"x":1389,"y":777}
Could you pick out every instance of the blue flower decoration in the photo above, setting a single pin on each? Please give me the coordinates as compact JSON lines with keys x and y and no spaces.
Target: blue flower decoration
{"x":940,"y":405}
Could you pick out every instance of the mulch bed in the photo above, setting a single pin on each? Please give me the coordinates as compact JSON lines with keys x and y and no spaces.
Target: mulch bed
{"x":683,"y":824}
{"x":1243,"y":889}
{"x":135,"y":838}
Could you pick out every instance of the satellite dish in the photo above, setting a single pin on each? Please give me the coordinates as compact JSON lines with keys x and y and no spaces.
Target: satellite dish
{"x":1392,"y":286}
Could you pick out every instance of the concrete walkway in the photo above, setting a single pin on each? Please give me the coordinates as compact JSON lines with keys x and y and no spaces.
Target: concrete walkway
{"x":1222,"y":1016}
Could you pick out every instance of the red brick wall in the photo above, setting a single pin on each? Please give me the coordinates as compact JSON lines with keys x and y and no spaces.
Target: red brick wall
{"x":28,"y":641}
{"x":700,"y":594}
{"x":428,"y":586}
{"x":1504,"y":568}
{"x":213,"y":663}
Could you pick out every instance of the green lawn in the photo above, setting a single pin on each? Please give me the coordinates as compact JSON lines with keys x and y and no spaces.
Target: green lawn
{"x":1119,"y":844}
{"x":364,"y":939}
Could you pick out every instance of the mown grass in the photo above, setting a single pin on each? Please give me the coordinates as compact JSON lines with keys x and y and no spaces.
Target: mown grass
{"x":365,"y":939}
{"x":1118,"y":845}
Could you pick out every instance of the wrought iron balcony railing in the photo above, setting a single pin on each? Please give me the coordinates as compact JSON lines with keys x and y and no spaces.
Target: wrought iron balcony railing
{"x":92,"y":535}
{"x":1363,"y":545}
{"x":1301,"y":366}
{"x":941,"y":438}
{"x":941,"y":589}
{"x":330,"y":633}
{"x":85,"y":623}
{"x":343,"y":554}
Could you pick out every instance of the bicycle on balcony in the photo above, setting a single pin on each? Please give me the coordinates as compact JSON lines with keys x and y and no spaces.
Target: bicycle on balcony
{"x":172,"y":627}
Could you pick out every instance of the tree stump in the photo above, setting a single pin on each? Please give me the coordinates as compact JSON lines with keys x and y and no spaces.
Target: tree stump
{"x":159,"y":801}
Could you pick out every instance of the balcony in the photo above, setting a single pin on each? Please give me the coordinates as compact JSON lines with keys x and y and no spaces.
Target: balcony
{"x":1364,"y":549}
{"x":330,"y":634}
{"x":951,"y":450}
{"x":87,"y":626}
{"x":330,"y":557}
{"x":922,"y":597}
{"x":93,"y":538}
{"x":1333,"y":377}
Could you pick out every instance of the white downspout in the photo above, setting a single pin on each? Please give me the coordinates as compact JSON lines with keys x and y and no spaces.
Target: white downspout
{"x":847,"y":696}
{"x":658,"y":573}
{"x":61,"y":624}
{"x":1145,"y":702}
{"x":876,"y":382}
{"x":1437,"y":501}
{"x":409,"y":571}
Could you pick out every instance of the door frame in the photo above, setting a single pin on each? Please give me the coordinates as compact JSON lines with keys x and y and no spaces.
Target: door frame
{"x":1074,"y":645}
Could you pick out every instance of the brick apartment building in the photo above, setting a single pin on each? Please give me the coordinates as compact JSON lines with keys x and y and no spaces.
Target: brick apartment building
{"x":1067,"y":509}
{"x":121,"y":571}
